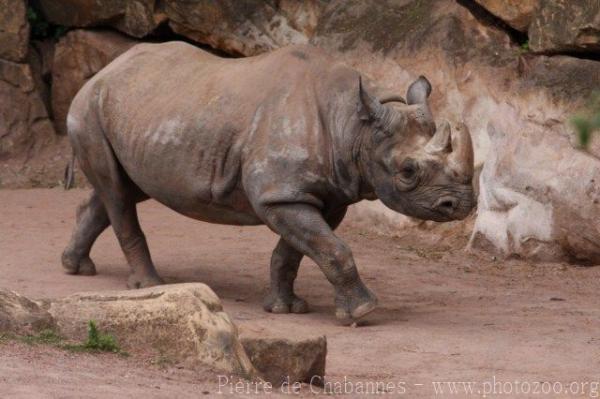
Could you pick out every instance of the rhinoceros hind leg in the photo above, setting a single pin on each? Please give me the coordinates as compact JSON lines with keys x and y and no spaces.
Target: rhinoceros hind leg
{"x":284,"y":268}
{"x":121,"y":208}
{"x":118,"y":195}
{"x":91,"y":221}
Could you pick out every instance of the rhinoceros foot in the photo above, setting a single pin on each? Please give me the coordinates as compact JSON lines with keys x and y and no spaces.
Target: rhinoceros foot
{"x":278,"y":304}
{"x":140,"y":280}
{"x":354,"y":304}
{"x":81,"y":265}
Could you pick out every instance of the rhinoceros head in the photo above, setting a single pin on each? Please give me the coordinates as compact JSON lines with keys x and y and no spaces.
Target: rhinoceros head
{"x":412,"y":167}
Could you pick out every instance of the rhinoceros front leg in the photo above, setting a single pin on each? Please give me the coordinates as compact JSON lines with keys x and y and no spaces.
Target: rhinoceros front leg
{"x":304,"y":228}
{"x":285,"y":262}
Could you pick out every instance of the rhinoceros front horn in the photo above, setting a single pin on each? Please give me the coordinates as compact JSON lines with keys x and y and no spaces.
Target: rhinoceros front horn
{"x":440,"y":142}
{"x":460,"y":160}
{"x":457,"y":144}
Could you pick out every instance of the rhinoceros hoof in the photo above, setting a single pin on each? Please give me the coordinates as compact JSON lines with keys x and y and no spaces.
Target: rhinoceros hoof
{"x":275,"y":304}
{"x":351,"y":308}
{"x":83,"y":266}
{"x":142,"y":281}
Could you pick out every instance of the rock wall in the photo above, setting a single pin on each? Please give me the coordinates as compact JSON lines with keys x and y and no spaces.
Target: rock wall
{"x":514,"y":71}
{"x":24,"y":121}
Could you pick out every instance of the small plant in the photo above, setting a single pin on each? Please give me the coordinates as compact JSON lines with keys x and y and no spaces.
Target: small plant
{"x":3,"y":338}
{"x":588,"y":122}
{"x":97,"y":341}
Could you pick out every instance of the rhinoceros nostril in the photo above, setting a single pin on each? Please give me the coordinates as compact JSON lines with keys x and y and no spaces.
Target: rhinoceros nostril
{"x":446,"y":205}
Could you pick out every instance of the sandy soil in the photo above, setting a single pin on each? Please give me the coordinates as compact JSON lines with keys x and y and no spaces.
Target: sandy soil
{"x":444,"y":316}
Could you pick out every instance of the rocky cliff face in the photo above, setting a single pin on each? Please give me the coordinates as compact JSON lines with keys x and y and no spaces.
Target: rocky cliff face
{"x":514,"y":71}
{"x":24,"y":121}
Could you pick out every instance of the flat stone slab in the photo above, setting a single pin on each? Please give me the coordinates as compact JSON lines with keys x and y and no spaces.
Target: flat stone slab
{"x":183,"y":322}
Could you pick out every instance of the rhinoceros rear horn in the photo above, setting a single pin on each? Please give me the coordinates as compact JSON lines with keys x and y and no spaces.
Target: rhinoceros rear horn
{"x":369,"y":107}
{"x":460,"y":160}
{"x":418,"y":91}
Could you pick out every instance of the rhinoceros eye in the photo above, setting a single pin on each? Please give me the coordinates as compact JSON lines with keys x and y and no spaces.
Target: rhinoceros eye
{"x":407,"y":177}
{"x":408,"y":169}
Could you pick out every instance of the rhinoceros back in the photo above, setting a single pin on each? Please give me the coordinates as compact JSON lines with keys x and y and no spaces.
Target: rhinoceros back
{"x":184,"y":123}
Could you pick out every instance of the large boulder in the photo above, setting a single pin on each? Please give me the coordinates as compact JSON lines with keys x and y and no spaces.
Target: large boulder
{"x":244,"y":28}
{"x":516,"y":13}
{"x":181,"y":321}
{"x":137,"y":18}
{"x":540,"y":194}
{"x":14,"y":30}
{"x":24,"y":122}
{"x":20,"y":315}
{"x":78,"y":56}
{"x":566,"y":25}
{"x":540,"y":197}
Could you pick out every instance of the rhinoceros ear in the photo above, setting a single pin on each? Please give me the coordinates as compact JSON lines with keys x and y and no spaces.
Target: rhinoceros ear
{"x":418,"y":91}
{"x":369,"y":108}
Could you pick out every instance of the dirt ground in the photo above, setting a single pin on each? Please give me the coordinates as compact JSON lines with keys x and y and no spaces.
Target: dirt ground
{"x":445,"y":316}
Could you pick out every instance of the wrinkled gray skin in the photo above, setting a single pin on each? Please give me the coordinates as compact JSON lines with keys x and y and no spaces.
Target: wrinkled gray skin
{"x":288,"y":139}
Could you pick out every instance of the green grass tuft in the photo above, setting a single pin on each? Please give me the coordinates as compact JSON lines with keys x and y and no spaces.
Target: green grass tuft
{"x":96,"y":342}
{"x":99,"y":341}
{"x":588,"y":121}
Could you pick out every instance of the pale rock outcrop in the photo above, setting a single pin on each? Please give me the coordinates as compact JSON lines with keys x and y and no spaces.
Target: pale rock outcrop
{"x":181,"y":321}
{"x":540,"y":197}
{"x":516,"y":13}
{"x":14,"y":30}
{"x":566,"y":25}
{"x":77,"y":57}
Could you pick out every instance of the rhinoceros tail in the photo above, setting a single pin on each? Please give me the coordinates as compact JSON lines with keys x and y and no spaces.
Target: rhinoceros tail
{"x":70,"y":173}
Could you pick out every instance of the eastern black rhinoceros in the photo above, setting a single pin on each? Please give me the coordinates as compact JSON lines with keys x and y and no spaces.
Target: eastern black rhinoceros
{"x":288,"y":139}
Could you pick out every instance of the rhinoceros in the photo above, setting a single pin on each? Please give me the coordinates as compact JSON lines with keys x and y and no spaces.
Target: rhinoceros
{"x":288,"y":139}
